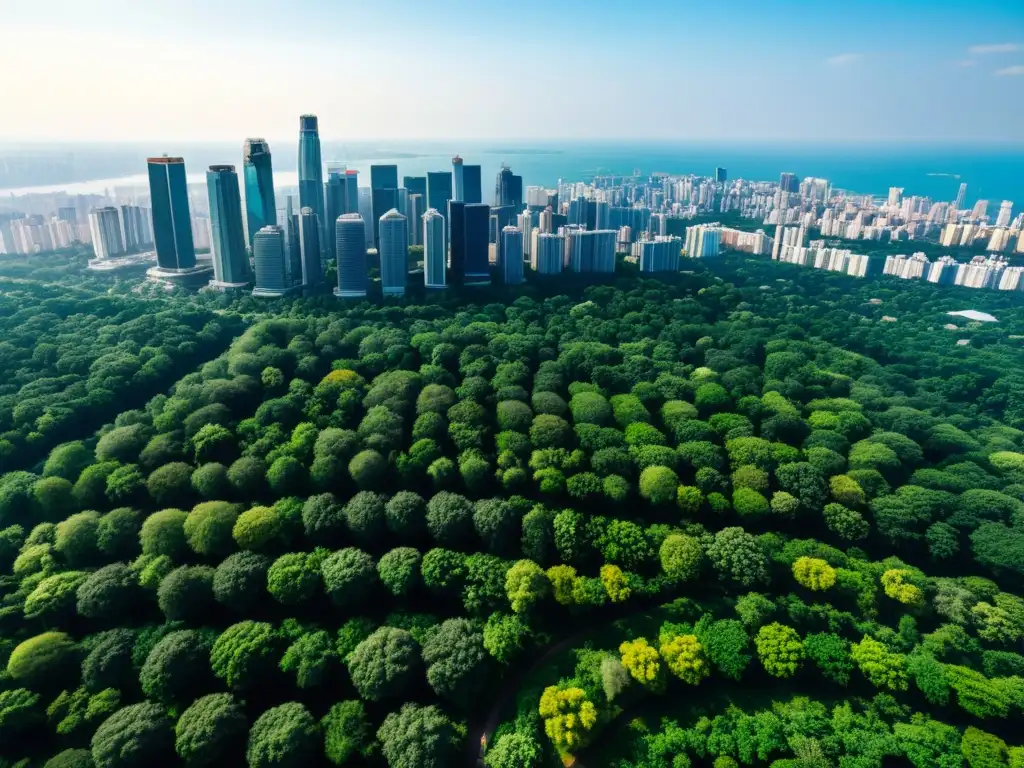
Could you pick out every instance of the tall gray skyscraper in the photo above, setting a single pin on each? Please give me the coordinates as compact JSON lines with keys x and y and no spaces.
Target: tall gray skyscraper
{"x":508,"y":189}
{"x":341,"y":196}
{"x":435,"y":250}
{"x":350,"y":244}
{"x":459,"y":188}
{"x":471,"y":187}
{"x":789,"y":182}
{"x":258,"y":173}
{"x":292,"y":243}
{"x":309,"y":247}
{"x":960,"y":196}
{"x":311,"y":173}
{"x":550,"y":256}
{"x":394,"y":253}
{"x":511,"y":266}
{"x":227,"y":238}
{"x":269,"y":260}
{"x":105,"y":227}
{"x":172,"y":224}
{"x":136,"y":228}
{"x":477,"y":220}
{"x":417,"y":207}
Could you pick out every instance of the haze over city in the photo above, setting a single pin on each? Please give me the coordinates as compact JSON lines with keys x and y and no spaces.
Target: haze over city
{"x":116,"y":70}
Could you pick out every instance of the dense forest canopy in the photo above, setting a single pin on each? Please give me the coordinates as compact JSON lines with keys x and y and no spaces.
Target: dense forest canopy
{"x":736,"y":515}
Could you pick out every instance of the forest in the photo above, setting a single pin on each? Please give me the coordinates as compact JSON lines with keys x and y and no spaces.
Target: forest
{"x":749,"y":514}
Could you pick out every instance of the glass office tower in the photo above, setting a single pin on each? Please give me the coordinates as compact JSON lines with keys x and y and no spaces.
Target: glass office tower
{"x":350,"y":243}
{"x":258,"y":173}
{"x":172,"y":223}
{"x":227,"y":238}
{"x":311,"y":173}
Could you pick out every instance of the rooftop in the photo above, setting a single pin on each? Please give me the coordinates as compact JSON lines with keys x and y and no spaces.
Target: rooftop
{"x":973,"y":314}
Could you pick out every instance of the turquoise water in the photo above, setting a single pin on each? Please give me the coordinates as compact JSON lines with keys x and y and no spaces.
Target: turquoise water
{"x":990,"y":171}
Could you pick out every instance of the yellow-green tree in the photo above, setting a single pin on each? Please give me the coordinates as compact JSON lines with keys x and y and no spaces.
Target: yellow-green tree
{"x":896,"y":585}
{"x":780,"y":649}
{"x":643,"y":662}
{"x":615,"y":583}
{"x":568,"y":716}
{"x":563,"y":579}
{"x":880,"y":666}
{"x":814,"y":573}
{"x":684,"y":656}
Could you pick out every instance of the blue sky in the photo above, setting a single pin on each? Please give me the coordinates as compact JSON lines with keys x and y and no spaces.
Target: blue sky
{"x":408,"y":69}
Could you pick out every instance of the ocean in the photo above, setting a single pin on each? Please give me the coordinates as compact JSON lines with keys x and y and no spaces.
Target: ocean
{"x":992,"y":172}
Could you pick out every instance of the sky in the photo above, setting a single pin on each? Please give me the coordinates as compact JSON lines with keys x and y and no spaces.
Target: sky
{"x":786,"y":70}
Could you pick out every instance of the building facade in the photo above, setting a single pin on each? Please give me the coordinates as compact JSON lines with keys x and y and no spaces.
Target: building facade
{"x":350,"y":245}
{"x":172,"y":223}
{"x":394,"y":253}
{"x":309,"y":248}
{"x":105,"y":228}
{"x":311,"y":170}
{"x":435,"y":249}
{"x":271,"y":274}
{"x":227,"y":235}
{"x":258,"y":178}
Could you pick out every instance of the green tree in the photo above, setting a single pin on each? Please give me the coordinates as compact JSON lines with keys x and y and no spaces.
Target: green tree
{"x":177,"y":668}
{"x":285,"y":735}
{"x":239,"y":582}
{"x":418,"y":737}
{"x":163,"y":533}
{"x":210,"y":730}
{"x":454,"y":655}
{"x":347,"y":733}
{"x":881,"y":667}
{"x":311,"y":658}
{"x":244,"y":654}
{"x":385,"y":664}
{"x":780,"y":650}
{"x":42,"y":660}
{"x":399,"y":570}
{"x":684,"y":657}
{"x":349,"y":576}
{"x":108,"y":593}
{"x":186,"y":593}
{"x":658,"y":485}
{"x":136,"y":735}
{"x":736,"y":556}
{"x":831,"y":655}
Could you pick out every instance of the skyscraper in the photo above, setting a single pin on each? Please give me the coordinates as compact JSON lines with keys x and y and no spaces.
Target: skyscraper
{"x":721,"y":175}
{"x":511,"y":265}
{"x":1005,"y":213}
{"x":592,"y":251}
{"x":311,"y":173}
{"x":457,"y":241}
{"x":435,"y":250}
{"x":172,"y":224}
{"x":660,"y":254}
{"x":416,"y":208}
{"x":439,"y":190}
{"x":477,"y":219}
{"x":258,"y":173}
{"x":269,"y":260}
{"x":960,"y":196}
{"x":471,"y":188}
{"x":788,"y":182}
{"x":136,"y":228}
{"x":105,"y":227}
{"x":350,"y":245}
{"x":384,"y":194}
{"x":68,"y":213}
{"x":309,"y":248}
{"x":394,"y":253}
{"x":459,"y":185}
{"x":341,"y":195}
{"x":550,"y":256}
{"x":417,"y":185}
{"x":292,"y":244}
{"x":525,"y":223}
{"x":508,"y":188}
{"x":227,"y":237}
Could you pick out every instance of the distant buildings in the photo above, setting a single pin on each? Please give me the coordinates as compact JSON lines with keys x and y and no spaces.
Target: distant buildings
{"x":592,"y":251}
{"x":350,"y":245}
{"x":549,"y":255}
{"x":105,"y":227}
{"x":311,"y":173}
{"x":341,"y":196}
{"x":508,"y":188}
{"x":384,"y":195}
{"x":227,"y":237}
{"x":309,"y":248}
{"x":474,"y":241}
{"x":439,"y":190}
{"x":172,"y":225}
{"x":703,"y":240}
{"x":435,"y":249}
{"x":258,"y":175}
{"x":660,"y":254}
{"x":394,"y":253}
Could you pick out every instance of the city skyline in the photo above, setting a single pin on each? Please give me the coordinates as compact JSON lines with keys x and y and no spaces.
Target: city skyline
{"x":160,"y":63}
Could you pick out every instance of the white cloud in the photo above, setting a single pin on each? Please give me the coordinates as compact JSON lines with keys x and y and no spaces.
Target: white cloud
{"x":1016,"y":69}
{"x":843,"y":59}
{"x":994,"y":48}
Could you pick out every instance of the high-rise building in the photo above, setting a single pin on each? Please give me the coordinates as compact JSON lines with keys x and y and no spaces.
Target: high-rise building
{"x":105,"y":227}
{"x":459,"y":188}
{"x":68,"y":213}
{"x":384,"y":191}
{"x":394,"y":253}
{"x":416,"y":185}
{"x":350,"y":245}
{"x":416,"y":206}
{"x":961,"y":195}
{"x":435,"y":249}
{"x":721,"y":175}
{"x":472,"y":190}
{"x":293,"y":244}
{"x":592,"y":251}
{"x":789,"y":182}
{"x":511,"y":265}
{"x":525,"y":223}
{"x":309,"y":248}
{"x":1005,"y":213}
{"x":227,"y":236}
{"x":258,"y":174}
{"x":549,"y":258}
{"x":134,"y":225}
{"x":980,"y":209}
{"x":366,"y":211}
{"x":172,"y":224}
{"x":703,"y":240}
{"x":660,"y":254}
{"x":439,"y":190}
{"x":508,"y":189}
{"x":476,"y":264}
{"x":272,"y":279}
{"x":311,"y":170}
{"x":341,"y":196}
{"x":457,"y":241}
